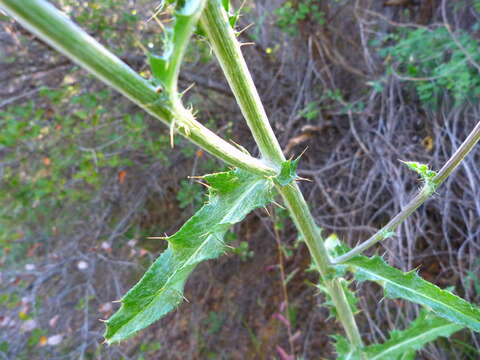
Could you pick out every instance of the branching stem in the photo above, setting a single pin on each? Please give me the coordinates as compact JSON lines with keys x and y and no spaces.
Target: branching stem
{"x":425,"y":193}
{"x":54,"y":27}
{"x":227,"y":49}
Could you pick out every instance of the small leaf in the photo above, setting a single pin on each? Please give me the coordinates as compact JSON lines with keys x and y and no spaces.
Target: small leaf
{"x":288,"y":172}
{"x":402,"y":344}
{"x":232,"y":195}
{"x":412,"y":287}
{"x":344,"y":350}
{"x":159,"y":66}
{"x":425,"y":173}
{"x":387,"y":234}
{"x":226,"y":5}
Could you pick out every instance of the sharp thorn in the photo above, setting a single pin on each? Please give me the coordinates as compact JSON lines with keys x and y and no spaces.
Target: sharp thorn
{"x":187,"y":89}
{"x":244,"y":29}
{"x":241,"y":6}
{"x":280,"y":206}
{"x":303,"y":152}
{"x":247,"y":44}
{"x":303,"y":179}
{"x":172,"y":130}
{"x":266,"y":210}
{"x":204,"y":184}
{"x":103,"y":320}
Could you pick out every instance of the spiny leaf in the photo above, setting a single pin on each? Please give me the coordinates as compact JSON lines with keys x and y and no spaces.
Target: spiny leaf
{"x":288,"y":172}
{"x":425,"y":173}
{"x":402,"y":345}
{"x":412,"y":287}
{"x":424,"y":329}
{"x":232,"y":195}
{"x":344,"y":350}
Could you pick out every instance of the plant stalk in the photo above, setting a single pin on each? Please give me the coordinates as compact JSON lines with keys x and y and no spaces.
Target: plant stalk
{"x":425,"y":193}
{"x":55,"y":28}
{"x":227,"y":49}
{"x":223,"y":40}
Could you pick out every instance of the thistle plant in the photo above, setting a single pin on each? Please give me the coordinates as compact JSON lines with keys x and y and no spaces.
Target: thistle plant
{"x":252,"y":183}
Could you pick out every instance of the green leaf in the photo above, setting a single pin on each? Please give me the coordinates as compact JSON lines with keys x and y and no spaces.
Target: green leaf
{"x":226,"y":5}
{"x":159,"y":66}
{"x":412,"y":287}
{"x":402,"y":344}
{"x":288,"y":172}
{"x":232,"y":15}
{"x":344,"y":350}
{"x":409,"y":355}
{"x":232,"y":195}
{"x":421,"y":169}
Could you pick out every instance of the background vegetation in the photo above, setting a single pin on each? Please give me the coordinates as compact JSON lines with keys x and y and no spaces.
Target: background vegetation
{"x":86,"y":177}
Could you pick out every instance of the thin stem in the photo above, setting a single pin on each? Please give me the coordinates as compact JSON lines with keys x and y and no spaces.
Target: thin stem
{"x":227,"y":49}
{"x":187,"y":16}
{"x":305,"y":224}
{"x":54,"y":27}
{"x":459,"y":155}
{"x":425,"y":193}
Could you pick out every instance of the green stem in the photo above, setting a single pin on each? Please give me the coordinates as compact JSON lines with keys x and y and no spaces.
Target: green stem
{"x":223,"y":41}
{"x":54,"y":27}
{"x":227,"y":49}
{"x":424,"y":194}
{"x":186,"y":19}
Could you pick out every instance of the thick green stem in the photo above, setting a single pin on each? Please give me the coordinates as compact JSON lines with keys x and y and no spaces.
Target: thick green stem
{"x":227,"y":49}
{"x":56,"y":29}
{"x":427,"y":191}
{"x":223,"y":41}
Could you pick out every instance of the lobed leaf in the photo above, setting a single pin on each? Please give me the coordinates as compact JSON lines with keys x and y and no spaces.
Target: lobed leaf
{"x":412,"y":287}
{"x":232,"y":195}
{"x":403,"y":344}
